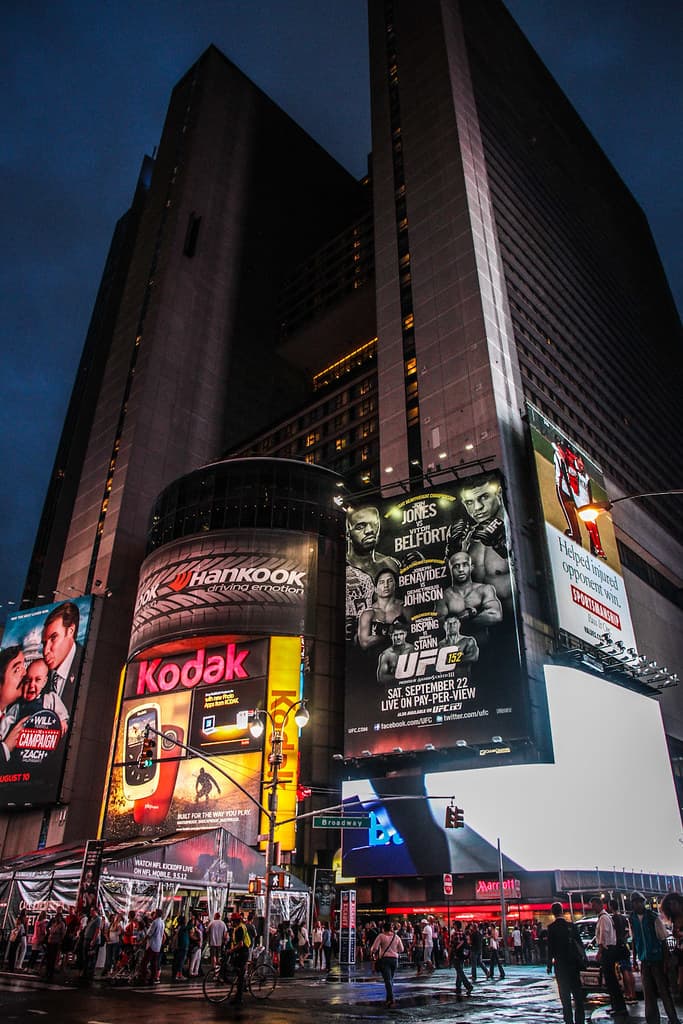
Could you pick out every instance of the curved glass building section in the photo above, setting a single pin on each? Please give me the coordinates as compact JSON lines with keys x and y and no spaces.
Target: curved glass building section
{"x":251,"y":493}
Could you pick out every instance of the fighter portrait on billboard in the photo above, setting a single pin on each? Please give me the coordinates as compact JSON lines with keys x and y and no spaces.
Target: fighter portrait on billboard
{"x":432,"y":649}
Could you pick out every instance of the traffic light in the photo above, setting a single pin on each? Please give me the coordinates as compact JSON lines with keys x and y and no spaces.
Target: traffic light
{"x":455,"y":817}
{"x":147,"y":750}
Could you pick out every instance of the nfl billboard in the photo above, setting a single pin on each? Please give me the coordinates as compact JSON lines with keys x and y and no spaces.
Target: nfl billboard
{"x":590,"y":596}
{"x":432,"y":647}
{"x":41,"y":658}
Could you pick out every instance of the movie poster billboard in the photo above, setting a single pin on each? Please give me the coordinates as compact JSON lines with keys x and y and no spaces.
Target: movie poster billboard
{"x":192,"y":692}
{"x":590,"y":595}
{"x":432,"y":650}
{"x":41,"y":657}
{"x":241,"y":581}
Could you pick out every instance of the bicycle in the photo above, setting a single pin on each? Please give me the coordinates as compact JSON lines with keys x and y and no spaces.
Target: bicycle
{"x":260,"y":978}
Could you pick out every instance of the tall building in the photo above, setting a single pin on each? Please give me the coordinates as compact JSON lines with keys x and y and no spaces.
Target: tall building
{"x":486,"y":306}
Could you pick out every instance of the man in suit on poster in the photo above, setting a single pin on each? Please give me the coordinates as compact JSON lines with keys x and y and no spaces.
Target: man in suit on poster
{"x":61,"y":651}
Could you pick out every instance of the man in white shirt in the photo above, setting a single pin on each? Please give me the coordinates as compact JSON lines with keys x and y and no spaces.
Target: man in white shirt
{"x":606,"y":940}
{"x":154,"y":942}
{"x":217,"y":931}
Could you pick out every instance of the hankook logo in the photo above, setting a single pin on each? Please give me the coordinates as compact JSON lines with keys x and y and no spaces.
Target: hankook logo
{"x":237,"y":574}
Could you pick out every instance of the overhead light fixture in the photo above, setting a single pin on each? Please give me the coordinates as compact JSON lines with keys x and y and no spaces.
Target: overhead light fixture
{"x":496,"y":739}
{"x":443,"y":455}
{"x":429,"y":746}
{"x":389,"y":469}
{"x":337,"y":757}
{"x":469,"y":446}
{"x":256,"y":725}
{"x":302,"y":715}
{"x":461,"y":743}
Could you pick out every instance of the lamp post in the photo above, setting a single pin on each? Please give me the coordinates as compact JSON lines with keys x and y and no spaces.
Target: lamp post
{"x":257,"y":725}
{"x":590,"y":512}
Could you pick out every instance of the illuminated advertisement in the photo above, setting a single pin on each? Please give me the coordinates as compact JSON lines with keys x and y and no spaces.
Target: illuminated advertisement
{"x":285,"y":686}
{"x":242,"y":581}
{"x":432,"y":650}
{"x":407,"y":836}
{"x":589,"y":590}
{"x":40,"y":666}
{"x":191,"y":692}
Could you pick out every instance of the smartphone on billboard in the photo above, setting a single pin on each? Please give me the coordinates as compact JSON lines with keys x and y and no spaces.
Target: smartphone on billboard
{"x":153,"y":809}
{"x":140,"y":782}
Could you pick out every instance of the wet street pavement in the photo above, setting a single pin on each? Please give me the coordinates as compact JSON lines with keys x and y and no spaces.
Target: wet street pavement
{"x":526,"y":996}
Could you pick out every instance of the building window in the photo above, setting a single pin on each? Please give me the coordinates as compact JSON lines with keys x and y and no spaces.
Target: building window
{"x":340,"y":444}
{"x":312,"y":438}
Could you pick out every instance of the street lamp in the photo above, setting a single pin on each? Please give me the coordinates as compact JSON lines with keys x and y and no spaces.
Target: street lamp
{"x":257,"y":725}
{"x":590,"y":512}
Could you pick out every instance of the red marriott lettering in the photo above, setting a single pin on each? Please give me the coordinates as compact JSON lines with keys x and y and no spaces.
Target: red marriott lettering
{"x":159,"y":675}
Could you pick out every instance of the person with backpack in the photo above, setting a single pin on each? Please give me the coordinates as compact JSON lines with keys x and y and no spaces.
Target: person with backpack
{"x":240,"y":944}
{"x":565,"y":953}
{"x":622,"y":928}
{"x":458,"y":953}
{"x":649,"y":938}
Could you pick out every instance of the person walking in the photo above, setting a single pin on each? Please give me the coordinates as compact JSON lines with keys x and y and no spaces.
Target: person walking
{"x":476,"y":948}
{"x":113,"y":935}
{"x":327,"y":946}
{"x":152,"y":955}
{"x":386,"y":949}
{"x":517,"y":944}
{"x":606,"y":940}
{"x":317,"y":937}
{"x":458,"y":951}
{"x":182,"y":946}
{"x":18,"y":943}
{"x":649,"y":935}
{"x":302,"y":944}
{"x":622,"y":928}
{"x":564,"y":946}
{"x":38,"y":938}
{"x":494,"y":952}
{"x":196,"y":943}
{"x":239,"y":953}
{"x":55,"y":937}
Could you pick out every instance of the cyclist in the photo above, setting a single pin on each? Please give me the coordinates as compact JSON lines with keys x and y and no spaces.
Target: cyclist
{"x":239,"y":952}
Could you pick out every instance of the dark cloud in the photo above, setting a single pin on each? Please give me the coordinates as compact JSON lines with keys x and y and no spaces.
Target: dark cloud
{"x":85,"y":88}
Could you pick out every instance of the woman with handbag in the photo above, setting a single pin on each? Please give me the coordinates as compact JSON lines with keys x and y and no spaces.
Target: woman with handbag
{"x":385,"y":951}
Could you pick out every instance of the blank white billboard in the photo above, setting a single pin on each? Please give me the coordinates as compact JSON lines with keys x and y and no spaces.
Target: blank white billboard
{"x":608,"y":801}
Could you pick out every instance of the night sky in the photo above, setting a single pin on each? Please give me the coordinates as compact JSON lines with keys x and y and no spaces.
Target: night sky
{"x":85,"y":88}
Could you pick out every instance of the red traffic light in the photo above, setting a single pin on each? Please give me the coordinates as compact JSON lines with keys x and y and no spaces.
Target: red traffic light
{"x":455,"y":817}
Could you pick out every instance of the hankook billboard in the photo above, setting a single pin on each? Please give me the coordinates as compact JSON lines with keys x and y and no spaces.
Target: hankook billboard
{"x":41,"y":657}
{"x":588,"y":585}
{"x":238,"y":581}
{"x":432,"y":649}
